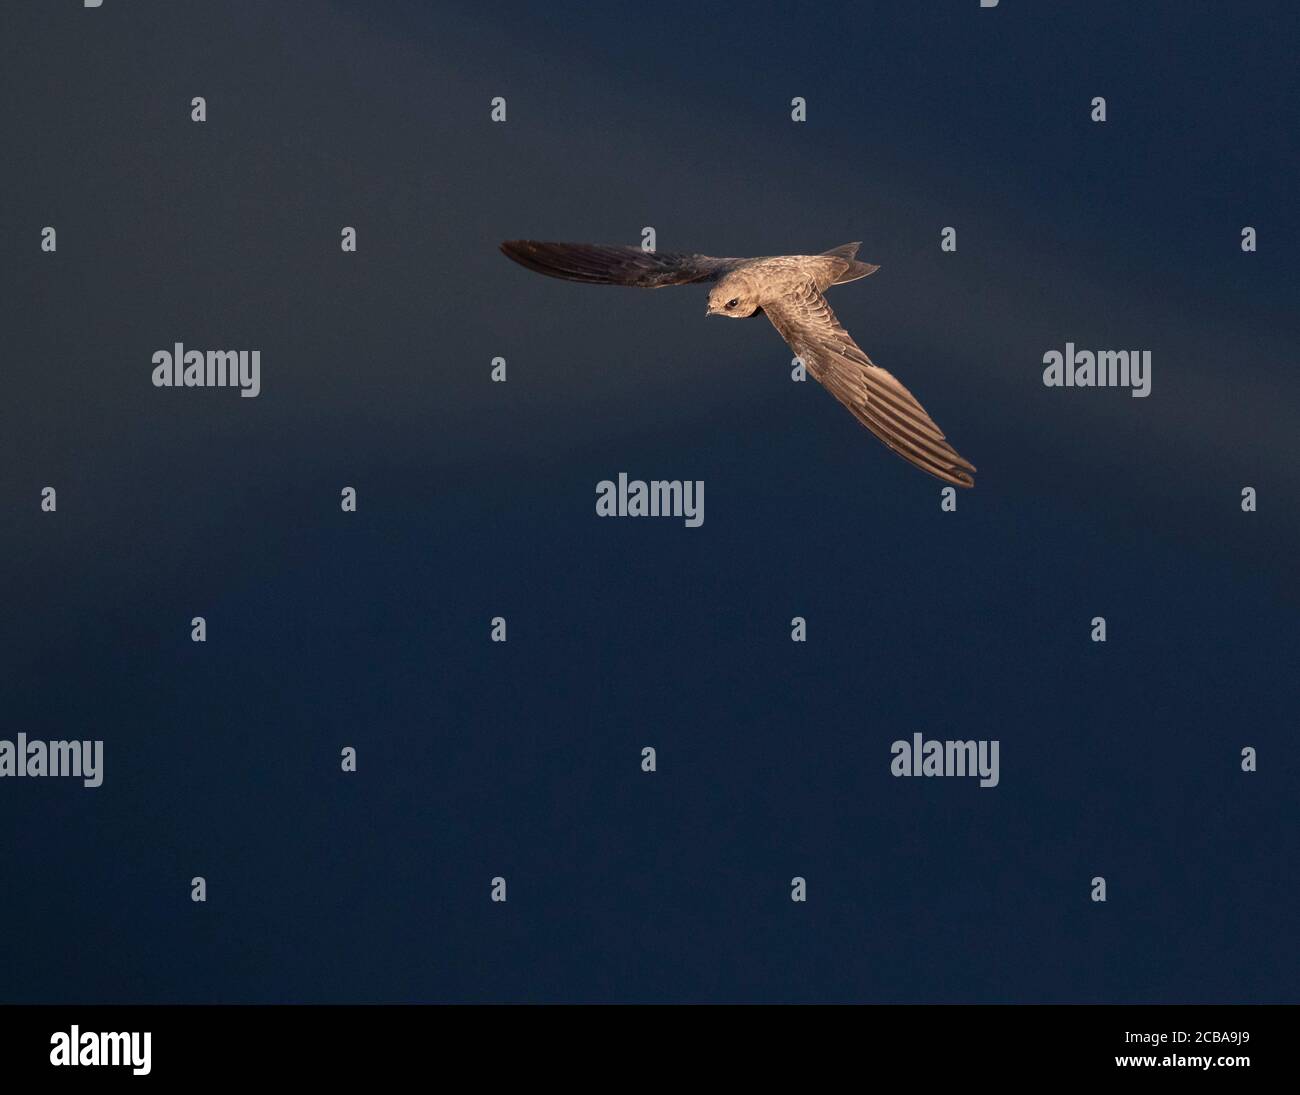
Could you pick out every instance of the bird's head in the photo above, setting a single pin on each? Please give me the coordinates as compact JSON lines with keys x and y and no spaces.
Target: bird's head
{"x":732,"y":296}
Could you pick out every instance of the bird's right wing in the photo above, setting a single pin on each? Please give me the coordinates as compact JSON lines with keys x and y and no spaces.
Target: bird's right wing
{"x":873,"y":395}
{"x":601,"y":265}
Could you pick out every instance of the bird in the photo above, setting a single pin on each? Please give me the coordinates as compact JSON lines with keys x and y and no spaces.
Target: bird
{"x":789,"y":290}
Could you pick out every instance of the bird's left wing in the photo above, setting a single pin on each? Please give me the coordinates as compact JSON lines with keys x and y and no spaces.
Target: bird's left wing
{"x":609,"y":265}
{"x":872,"y":394}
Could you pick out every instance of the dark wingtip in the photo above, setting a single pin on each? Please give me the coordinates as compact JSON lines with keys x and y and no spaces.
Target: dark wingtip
{"x":533,"y":255}
{"x":583,"y":262}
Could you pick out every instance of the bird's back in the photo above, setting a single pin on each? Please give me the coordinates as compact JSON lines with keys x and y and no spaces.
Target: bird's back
{"x":782,"y":273}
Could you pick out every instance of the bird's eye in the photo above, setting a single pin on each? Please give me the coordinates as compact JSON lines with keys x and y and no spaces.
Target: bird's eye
{"x":731,"y":303}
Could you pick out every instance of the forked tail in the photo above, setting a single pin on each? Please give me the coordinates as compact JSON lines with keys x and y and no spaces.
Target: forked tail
{"x":853,"y":269}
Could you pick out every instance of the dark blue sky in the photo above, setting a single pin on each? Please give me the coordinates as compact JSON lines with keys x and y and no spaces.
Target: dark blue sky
{"x":477,"y":500}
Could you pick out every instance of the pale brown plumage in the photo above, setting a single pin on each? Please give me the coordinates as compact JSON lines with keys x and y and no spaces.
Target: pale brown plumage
{"x":788,"y":290}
